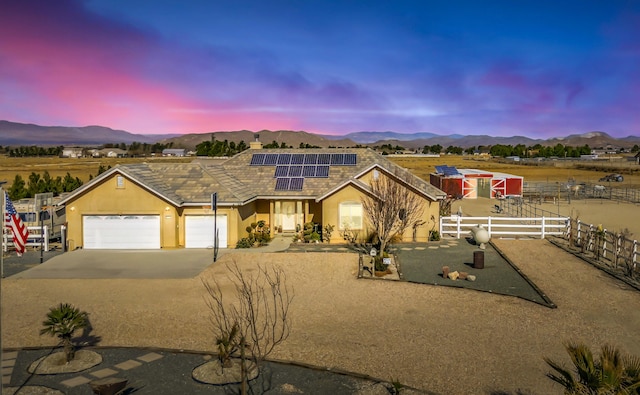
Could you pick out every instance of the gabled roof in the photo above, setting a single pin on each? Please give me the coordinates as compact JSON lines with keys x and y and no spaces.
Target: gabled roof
{"x":238,"y":182}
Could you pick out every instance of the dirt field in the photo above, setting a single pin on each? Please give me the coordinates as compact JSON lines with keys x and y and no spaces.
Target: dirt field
{"x":447,"y":340}
{"x":58,"y":167}
{"x":422,"y":167}
{"x":83,"y":167}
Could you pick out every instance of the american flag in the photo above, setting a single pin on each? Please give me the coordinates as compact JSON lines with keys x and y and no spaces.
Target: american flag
{"x":20,"y":232}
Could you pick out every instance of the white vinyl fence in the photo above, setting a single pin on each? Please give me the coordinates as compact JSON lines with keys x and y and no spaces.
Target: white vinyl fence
{"x":35,"y":238}
{"x":537,"y":227}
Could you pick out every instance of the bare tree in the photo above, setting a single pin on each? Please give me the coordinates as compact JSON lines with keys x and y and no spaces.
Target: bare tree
{"x":391,"y":209}
{"x":256,"y":318}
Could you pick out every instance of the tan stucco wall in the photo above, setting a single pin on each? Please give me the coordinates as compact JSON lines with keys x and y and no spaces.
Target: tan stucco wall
{"x":107,"y":199}
{"x":330,"y":214}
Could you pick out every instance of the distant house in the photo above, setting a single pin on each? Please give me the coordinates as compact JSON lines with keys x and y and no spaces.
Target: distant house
{"x":72,"y":152}
{"x":174,"y":152}
{"x":109,"y":153}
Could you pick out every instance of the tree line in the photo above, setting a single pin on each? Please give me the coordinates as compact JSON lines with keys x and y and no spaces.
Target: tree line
{"x":133,"y":149}
{"x":42,"y":183}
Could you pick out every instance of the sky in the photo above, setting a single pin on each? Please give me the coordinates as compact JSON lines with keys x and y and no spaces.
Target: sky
{"x":503,"y":68}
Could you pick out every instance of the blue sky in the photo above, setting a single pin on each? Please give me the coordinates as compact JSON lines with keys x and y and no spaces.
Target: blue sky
{"x":503,"y":68}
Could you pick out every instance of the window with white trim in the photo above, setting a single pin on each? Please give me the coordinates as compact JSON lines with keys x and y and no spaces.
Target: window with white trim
{"x":350,"y":215}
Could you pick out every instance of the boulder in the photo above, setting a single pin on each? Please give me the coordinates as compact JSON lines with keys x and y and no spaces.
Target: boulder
{"x":454,"y":275}
{"x":445,"y":271}
{"x":471,"y":277}
{"x":463,"y":275}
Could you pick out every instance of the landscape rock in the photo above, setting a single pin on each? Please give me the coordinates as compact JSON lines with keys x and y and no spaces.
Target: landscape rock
{"x":471,"y":277}
{"x":463,"y":275}
{"x":445,"y":271}
{"x":454,"y":275}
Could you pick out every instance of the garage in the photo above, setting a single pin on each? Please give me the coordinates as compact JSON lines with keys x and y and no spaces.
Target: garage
{"x":199,"y":231}
{"x":121,"y":232}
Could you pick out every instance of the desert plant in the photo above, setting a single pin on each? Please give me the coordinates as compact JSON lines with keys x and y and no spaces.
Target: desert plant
{"x":326,"y":233}
{"x":62,"y":321}
{"x":612,"y":373}
{"x":227,"y":342}
{"x":434,"y":235}
{"x":259,"y":309}
{"x":245,"y":242}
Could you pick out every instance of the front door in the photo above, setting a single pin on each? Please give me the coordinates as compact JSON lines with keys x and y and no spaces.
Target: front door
{"x":288,"y":216}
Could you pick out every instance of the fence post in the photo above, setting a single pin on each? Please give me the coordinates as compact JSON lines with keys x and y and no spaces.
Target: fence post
{"x":604,"y":243}
{"x":45,"y":237}
{"x":458,"y":226}
{"x":489,"y":226}
{"x":542,"y":228}
{"x":634,"y":254}
{"x":579,"y":232}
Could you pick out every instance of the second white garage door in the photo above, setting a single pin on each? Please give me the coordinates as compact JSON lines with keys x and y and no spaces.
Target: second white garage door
{"x":199,"y":231}
{"x":121,"y":232}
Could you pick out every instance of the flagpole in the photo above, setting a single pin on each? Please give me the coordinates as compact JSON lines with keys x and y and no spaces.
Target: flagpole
{"x":4,"y":224}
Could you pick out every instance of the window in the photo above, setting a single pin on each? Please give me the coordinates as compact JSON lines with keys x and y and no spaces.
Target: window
{"x":119,"y":182}
{"x":350,"y":215}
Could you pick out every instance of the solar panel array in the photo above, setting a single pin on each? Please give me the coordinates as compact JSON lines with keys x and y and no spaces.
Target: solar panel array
{"x":447,"y":170}
{"x":292,"y":169}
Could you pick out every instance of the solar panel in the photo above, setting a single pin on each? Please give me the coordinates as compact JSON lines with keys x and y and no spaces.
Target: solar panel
{"x":281,"y":171}
{"x":296,"y":184}
{"x":257,"y":159}
{"x":337,"y":159}
{"x":322,"y":171}
{"x":297,"y":159}
{"x":450,"y":171}
{"x":309,"y":171}
{"x":440,"y":169}
{"x":284,"y":159}
{"x":282,"y":184}
{"x":270,"y":159}
{"x":350,"y":159}
{"x":310,"y":159}
{"x":324,"y":159}
{"x":295,"y":171}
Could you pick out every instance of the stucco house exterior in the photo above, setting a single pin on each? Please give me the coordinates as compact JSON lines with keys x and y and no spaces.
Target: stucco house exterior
{"x":168,"y":205}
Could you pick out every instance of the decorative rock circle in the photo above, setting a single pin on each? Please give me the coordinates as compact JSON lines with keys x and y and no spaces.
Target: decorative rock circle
{"x":212,"y":372}
{"x":56,"y":363}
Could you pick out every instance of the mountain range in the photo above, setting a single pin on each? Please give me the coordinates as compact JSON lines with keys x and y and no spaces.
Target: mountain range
{"x":20,"y":134}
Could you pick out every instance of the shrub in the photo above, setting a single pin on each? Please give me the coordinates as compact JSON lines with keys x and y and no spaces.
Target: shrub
{"x":434,"y":235}
{"x":62,"y":322}
{"x":245,"y":242}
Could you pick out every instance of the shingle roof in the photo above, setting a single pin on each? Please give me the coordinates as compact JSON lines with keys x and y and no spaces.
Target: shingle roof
{"x":237,"y":182}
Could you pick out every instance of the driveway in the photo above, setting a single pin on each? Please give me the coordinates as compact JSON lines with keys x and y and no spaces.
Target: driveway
{"x":136,"y":264}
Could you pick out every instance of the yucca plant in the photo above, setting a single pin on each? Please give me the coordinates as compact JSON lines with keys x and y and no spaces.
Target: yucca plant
{"x":62,"y":321}
{"x":613,"y":373}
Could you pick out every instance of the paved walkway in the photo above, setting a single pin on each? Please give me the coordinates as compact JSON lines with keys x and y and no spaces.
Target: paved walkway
{"x":166,"y":372}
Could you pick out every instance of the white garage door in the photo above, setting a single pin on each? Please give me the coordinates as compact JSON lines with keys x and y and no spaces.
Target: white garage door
{"x":123,"y":232}
{"x":199,"y":231}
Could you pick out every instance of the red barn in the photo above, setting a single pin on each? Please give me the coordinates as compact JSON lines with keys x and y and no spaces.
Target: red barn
{"x":473,"y":183}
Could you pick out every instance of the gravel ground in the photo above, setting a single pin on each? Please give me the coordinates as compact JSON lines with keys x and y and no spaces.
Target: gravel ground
{"x":445,"y":340}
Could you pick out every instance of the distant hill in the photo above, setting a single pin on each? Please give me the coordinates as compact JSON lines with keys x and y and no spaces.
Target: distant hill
{"x":16,"y":134}
{"x":291,"y":138}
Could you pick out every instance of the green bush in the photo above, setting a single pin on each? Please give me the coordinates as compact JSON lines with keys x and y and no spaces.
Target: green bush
{"x":245,"y":242}
{"x":434,"y":235}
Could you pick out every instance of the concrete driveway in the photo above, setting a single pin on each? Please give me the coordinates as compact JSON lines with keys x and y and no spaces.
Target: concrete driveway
{"x":150,"y":264}
{"x":137,"y":264}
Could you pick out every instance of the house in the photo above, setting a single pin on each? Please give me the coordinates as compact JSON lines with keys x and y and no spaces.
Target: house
{"x":168,"y":205}
{"x":109,"y":153}
{"x":72,"y":152}
{"x":474,"y":183}
{"x":173,"y":152}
